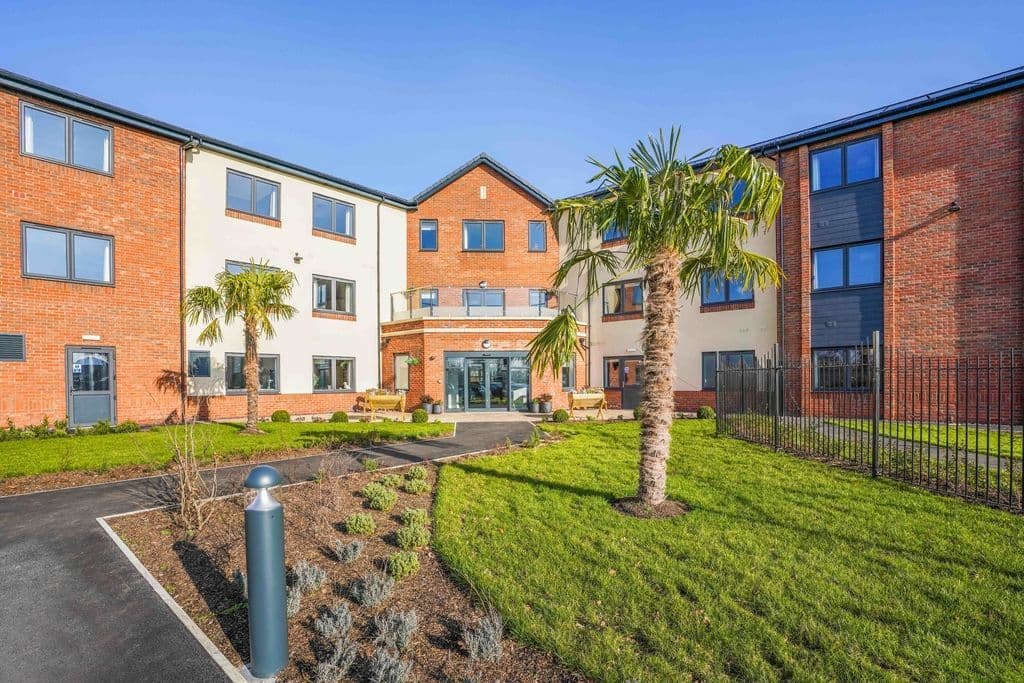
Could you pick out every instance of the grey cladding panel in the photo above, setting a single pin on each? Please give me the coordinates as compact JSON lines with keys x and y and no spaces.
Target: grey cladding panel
{"x":845,"y":317}
{"x":848,"y":214}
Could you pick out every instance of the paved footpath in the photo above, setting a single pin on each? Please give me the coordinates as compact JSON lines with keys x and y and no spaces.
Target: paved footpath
{"x":72,"y":608}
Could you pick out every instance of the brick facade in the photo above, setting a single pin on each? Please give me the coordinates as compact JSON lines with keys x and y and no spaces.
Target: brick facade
{"x":138,"y":205}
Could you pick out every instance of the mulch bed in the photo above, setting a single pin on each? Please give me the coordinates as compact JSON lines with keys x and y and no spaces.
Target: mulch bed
{"x":197,"y":573}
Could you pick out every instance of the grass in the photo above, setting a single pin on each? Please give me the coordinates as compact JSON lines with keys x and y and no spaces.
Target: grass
{"x":151,"y":448}
{"x":784,"y":568}
{"x":992,"y":442}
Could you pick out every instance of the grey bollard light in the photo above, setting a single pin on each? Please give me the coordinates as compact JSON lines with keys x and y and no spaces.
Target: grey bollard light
{"x":264,"y":560}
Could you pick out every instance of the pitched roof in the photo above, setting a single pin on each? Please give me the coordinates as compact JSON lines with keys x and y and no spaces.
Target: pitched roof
{"x":486,"y":160}
{"x":51,"y":93}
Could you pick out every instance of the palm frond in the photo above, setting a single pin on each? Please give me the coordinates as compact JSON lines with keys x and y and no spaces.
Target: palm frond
{"x":556,"y":344}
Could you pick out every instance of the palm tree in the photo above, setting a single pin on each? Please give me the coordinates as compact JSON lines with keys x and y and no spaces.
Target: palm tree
{"x":682,"y":218}
{"x":257,"y":296}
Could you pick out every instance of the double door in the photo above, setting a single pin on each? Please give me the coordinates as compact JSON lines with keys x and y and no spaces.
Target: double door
{"x":494,"y":382}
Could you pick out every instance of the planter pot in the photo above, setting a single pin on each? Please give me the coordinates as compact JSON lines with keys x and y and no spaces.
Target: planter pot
{"x":437,"y":408}
{"x":545,"y":407}
{"x":427,"y":406}
{"x":535,"y":407}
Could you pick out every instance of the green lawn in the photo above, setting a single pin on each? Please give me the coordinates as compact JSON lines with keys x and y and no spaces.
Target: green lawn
{"x":151,"y":448}
{"x":963,"y":438}
{"x":784,"y":569}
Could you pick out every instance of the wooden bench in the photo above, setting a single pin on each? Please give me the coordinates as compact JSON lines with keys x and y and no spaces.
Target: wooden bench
{"x":376,"y":400}
{"x":588,"y":399}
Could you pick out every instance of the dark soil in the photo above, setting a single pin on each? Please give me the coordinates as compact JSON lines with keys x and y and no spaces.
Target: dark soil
{"x":633,"y":506}
{"x":197,"y":573}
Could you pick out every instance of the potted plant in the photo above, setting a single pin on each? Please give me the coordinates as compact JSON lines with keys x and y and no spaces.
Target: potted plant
{"x":534,"y":405}
{"x":427,"y":402}
{"x":545,"y":403}
{"x":437,"y":407}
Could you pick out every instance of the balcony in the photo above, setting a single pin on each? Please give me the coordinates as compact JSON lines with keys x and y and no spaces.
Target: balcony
{"x":473,"y":302}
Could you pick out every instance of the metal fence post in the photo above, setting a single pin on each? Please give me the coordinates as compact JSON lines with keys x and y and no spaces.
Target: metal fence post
{"x":876,"y":382}
{"x":264,"y":560}
{"x":776,"y":396}
{"x":719,"y":420}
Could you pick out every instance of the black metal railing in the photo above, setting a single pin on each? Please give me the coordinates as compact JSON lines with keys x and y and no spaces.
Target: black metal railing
{"x":950,"y":424}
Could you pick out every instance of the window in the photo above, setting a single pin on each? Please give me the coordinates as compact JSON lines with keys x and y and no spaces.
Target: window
{"x":199,"y":364}
{"x":538,"y":236}
{"x":716,"y":289}
{"x":332,"y":294}
{"x":710,"y":361}
{"x":738,"y":189}
{"x":484,"y":301}
{"x":483,"y":236}
{"x":539,"y":298}
{"x":569,"y":375}
{"x":428,"y":298}
{"x":428,"y":235}
{"x":854,"y":162}
{"x":623,"y":297}
{"x":12,"y":347}
{"x":62,"y":254}
{"x":234,"y":372}
{"x":848,"y":266}
{"x":842,"y":369}
{"x":332,"y":374}
{"x":402,"y":371}
{"x":331,"y":215}
{"x":253,"y":195}
{"x":236,"y":267}
{"x":65,"y":139}
{"x":613,"y":232}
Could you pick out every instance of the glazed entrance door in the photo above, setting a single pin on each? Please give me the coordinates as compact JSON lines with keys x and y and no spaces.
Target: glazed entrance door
{"x":487,"y":383}
{"x":90,"y":381}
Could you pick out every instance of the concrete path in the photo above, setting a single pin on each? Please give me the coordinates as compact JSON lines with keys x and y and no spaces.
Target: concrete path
{"x":72,"y":608}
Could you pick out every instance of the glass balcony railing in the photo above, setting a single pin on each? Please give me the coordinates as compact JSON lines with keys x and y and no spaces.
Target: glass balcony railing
{"x":474,"y":302}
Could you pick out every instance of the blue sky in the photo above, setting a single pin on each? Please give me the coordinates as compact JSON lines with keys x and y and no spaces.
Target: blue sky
{"x":395,"y":95}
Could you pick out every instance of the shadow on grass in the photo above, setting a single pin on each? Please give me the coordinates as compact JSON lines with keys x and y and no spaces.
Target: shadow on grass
{"x":222,"y":597}
{"x":470,"y":468}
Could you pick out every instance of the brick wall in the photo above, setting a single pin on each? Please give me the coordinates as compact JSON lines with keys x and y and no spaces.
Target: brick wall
{"x":233,"y":407}
{"x":138,"y":205}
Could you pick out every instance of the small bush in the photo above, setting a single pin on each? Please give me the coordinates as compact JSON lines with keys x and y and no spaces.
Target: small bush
{"x":638,"y":413}
{"x":101,"y":427}
{"x":334,"y":622}
{"x":385,"y":667}
{"x":412,"y":537}
{"x":371,"y":465}
{"x":483,"y":641}
{"x":280,"y":416}
{"x":394,"y":629}
{"x":294,"y":603}
{"x":379,"y":497}
{"x":339,"y":416}
{"x":705,"y":413}
{"x":360,"y":524}
{"x":241,"y":583}
{"x":391,"y":480}
{"x":338,"y":661}
{"x":416,"y":486}
{"x":415,"y":516}
{"x":417,"y":472}
{"x":403,"y":563}
{"x":308,"y":577}
{"x":560,"y":415}
{"x":372,"y":589}
{"x":419,"y":416}
{"x":127,"y":427}
{"x":348,"y":552}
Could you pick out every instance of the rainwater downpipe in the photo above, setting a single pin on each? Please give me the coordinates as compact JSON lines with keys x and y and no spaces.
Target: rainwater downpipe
{"x":380,"y":341}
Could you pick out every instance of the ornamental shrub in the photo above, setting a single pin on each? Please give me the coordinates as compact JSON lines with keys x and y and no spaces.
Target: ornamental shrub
{"x":416,"y":486}
{"x":372,"y":589}
{"x":339,"y":416}
{"x":560,"y":415}
{"x":391,"y":480}
{"x":280,"y":416}
{"x":360,"y":524}
{"x":416,"y":472}
{"x":379,"y":497}
{"x":705,"y":413}
{"x":402,"y":564}
{"x":415,"y":516}
{"x":419,"y":416}
{"x":412,"y":537}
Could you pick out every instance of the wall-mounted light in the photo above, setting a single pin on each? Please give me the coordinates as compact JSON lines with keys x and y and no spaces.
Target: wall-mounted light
{"x":953,"y":207}
{"x":297,"y":258}
{"x":483,"y":284}
{"x":486,"y":343}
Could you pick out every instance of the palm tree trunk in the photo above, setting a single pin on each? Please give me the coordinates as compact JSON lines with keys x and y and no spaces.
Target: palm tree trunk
{"x":252,"y":381}
{"x":659,"y":338}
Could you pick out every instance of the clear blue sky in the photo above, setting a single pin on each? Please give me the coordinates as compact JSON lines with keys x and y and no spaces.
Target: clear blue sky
{"x":396,"y":95}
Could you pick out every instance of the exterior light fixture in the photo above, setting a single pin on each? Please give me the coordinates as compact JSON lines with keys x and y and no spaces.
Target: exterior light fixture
{"x":486,"y":343}
{"x":953,"y":207}
{"x":483,"y":284}
{"x":297,"y":258}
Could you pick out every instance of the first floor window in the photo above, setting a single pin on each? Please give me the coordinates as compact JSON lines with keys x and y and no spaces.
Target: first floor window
{"x":253,"y":195}
{"x":854,"y":265}
{"x":842,"y":369}
{"x":332,"y":373}
{"x":66,"y":139}
{"x":623,"y":297}
{"x":538,"y":236}
{"x":483,"y":236}
{"x":67,"y":255}
{"x":234,"y":372}
{"x":402,"y":371}
{"x":853,"y":162}
{"x":428,"y":235}
{"x":613,"y":232}
{"x":332,"y":294}
{"x":711,"y":361}
{"x":199,"y":364}
{"x":428,"y":298}
{"x":332,"y":215}
{"x":484,"y":299}
{"x":538,"y":298}
{"x":715,"y":288}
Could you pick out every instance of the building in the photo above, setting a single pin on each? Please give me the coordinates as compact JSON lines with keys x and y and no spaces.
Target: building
{"x":908,"y":220}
